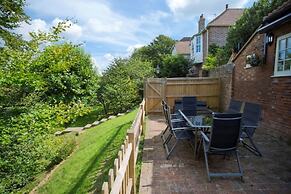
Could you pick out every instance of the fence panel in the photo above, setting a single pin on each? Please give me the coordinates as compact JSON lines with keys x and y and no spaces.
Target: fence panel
{"x":170,"y":89}
{"x":121,"y":179}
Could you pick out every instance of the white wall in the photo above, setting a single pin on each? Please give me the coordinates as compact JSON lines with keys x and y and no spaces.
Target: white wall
{"x":196,"y":56}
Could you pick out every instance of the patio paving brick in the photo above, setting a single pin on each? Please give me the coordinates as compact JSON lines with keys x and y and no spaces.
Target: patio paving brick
{"x":182,"y":174}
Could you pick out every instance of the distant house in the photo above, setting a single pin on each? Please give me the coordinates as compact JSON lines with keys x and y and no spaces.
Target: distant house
{"x":182,"y":47}
{"x":262,"y":70}
{"x":214,"y":33}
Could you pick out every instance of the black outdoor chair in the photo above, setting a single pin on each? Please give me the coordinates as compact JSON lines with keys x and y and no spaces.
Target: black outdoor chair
{"x":234,"y":106}
{"x":174,"y":118}
{"x":189,"y":105}
{"x":178,"y":106}
{"x":250,"y":121}
{"x":223,"y":140}
{"x":179,"y":130}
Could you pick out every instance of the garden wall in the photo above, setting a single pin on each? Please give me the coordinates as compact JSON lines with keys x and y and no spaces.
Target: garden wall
{"x":224,"y":73}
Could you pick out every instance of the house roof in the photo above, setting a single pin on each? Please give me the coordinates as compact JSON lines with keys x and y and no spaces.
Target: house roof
{"x":282,"y":10}
{"x":186,"y":39}
{"x":277,"y":17}
{"x":183,"y":47}
{"x":227,"y":18}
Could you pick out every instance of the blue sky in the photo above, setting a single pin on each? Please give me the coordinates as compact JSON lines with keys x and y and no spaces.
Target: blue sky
{"x":113,"y":28}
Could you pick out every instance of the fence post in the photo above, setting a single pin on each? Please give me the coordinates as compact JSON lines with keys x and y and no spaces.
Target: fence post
{"x":105,"y":189}
{"x":131,"y":139}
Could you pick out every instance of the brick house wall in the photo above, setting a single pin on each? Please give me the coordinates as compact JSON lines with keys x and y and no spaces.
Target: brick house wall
{"x":257,"y":85}
{"x":217,"y":35}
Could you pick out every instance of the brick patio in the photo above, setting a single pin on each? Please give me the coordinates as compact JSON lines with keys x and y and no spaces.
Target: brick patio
{"x":182,"y":174}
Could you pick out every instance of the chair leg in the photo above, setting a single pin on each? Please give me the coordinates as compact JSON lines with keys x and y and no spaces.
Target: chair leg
{"x":254,"y":149}
{"x":172,"y":149}
{"x":168,"y":139}
{"x":239,"y":166}
{"x":206,"y":162}
{"x":163,"y":133}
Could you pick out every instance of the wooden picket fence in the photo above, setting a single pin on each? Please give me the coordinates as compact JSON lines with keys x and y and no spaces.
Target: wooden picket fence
{"x":121,"y":179}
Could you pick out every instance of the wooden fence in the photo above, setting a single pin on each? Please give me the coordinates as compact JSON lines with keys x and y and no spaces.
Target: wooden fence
{"x":121,"y":179}
{"x":170,"y":89}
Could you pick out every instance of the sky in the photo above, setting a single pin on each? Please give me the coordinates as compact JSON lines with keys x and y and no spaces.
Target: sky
{"x":114,"y":28}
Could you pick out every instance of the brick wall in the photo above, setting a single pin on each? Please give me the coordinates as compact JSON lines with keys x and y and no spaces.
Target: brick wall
{"x":256,"y":85}
{"x":224,"y":72}
{"x":217,"y":35}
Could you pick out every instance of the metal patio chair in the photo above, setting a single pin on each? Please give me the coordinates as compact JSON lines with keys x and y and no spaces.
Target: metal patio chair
{"x":179,"y":130}
{"x":223,"y":140}
{"x":235,"y":106}
{"x":189,"y":104}
{"x":174,"y":118}
{"x":250,"y":121}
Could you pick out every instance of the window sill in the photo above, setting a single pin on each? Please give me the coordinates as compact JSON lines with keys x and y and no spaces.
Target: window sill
{"x":274,"y":76}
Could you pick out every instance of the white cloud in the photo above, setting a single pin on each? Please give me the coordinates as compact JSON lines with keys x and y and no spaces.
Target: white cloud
{"x":97,"y":22}
{"x":34,"y":26}
{"x":96,"y":66}
{"x":108,"y":57}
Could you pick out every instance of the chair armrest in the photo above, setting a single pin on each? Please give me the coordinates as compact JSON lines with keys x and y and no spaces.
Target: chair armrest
{"x":204,"y":136}
{"x":250,"y":126}
{"x":183,"y":128}
{"x":177,"y":120}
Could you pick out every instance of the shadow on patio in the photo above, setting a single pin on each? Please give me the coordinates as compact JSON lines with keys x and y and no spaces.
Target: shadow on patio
{"x":182,"y":174}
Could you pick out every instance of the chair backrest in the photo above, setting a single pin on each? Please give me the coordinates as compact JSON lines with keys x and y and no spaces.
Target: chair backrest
{"x":178,"y":106}
{"x":164,"y":107}
{"x":251,"y":114}
{"x":189,"y":105}
{"x":225,"y":131}
{"x":234,"y":106}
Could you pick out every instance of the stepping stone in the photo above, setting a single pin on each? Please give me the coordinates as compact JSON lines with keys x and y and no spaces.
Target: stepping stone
{"x":128,"y":111}
{"x":120,"y":114}
{"x":58,"y":133}
{"x":103,"y":120}
{"x":87,"y":126}
{"x":76,"y":129}
{"x":112,"y":117}
{"x":96,"y":123}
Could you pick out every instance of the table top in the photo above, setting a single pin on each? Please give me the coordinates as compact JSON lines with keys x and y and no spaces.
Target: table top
{"x":194,"y":125}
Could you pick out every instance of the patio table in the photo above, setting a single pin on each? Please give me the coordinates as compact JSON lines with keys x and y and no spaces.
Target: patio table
{"x":198,"y":124}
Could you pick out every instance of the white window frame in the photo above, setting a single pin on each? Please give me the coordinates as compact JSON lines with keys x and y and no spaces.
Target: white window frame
{"x":284,"y":72}
{"x":198,"y":44}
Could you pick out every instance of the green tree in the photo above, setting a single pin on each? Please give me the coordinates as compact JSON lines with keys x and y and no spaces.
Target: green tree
{"x":210,"y":62}
{"x":154,"y":52}
{"x":11,"y":14}
{"x":66,"y":72}
{"x":121,"y":84}
{"x":174,"y":66}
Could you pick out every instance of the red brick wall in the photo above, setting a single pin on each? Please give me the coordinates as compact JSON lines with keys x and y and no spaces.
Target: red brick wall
{"x":217,"y":35}
{"x":256,"y":85}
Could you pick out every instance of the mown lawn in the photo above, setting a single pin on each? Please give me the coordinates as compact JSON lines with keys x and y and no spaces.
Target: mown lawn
{"x":88,"y":166}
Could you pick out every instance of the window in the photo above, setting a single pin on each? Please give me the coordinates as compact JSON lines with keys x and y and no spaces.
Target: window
{"x":198,"y":44}
{"x":283,"y":56}
{"x":192,"y":44}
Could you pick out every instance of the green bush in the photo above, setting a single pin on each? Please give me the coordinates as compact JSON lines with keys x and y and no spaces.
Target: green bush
{"x":28,"y":145}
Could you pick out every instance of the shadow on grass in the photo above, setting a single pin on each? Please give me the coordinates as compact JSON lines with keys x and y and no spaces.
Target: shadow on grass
{"x":94,"y":163}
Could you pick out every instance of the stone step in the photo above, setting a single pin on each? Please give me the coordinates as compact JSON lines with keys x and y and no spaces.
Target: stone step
{"x":96,"y":123}
{"x":87,"y":126}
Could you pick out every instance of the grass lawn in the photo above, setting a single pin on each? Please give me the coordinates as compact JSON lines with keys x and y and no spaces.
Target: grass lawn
{"x":88,"y":166}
